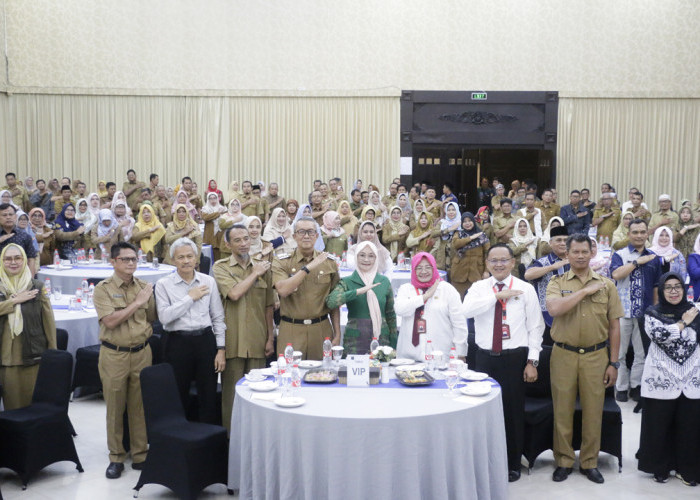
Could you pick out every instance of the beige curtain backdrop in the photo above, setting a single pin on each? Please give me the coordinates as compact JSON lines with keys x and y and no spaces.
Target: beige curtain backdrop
{"x":651,"y":144}
{"x":288,"y":140}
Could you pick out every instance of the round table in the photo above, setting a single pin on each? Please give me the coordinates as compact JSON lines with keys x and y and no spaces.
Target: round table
{"x":397,"y":276}
{"x":82,"y":326}
{"x":385,"y":441}
{"x":71,"y":279}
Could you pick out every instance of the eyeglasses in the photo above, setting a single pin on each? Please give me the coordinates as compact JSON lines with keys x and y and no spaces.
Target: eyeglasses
{"x":16,"y":258}
{"x":498,"y":261}
{"x":305,"y":232}
{"x":423,"y":269}
{"x":128,"y":260}
{"x":673,"y":288}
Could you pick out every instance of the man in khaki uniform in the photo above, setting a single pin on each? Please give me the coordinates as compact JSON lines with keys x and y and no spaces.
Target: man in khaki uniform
{"x":250,"y":204}
{"x":132,"y":190}
{"x":19,"y":194}
{"x":303,"y":280}
{"x":246,"y":289}
{"x":125,"y":309}
{"x":337,"y":195}
{"x":664,"y":217}
{"x":586,"y":310}
{"x":606,"y":217}
{"x":504,"y":223}
{"x":548,"y":207}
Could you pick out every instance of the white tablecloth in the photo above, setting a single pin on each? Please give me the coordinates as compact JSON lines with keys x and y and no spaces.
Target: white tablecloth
{"x":71,"y":279}
{"x":82,"y":326}
{"x":397,"y":276}
{"x":362,"y":443}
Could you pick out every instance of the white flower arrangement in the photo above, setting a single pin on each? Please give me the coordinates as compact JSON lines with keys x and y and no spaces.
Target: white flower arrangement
{"x":384,"y":354}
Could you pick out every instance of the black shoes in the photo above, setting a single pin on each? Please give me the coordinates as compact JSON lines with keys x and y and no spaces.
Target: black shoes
{"x":114,"y":470}
{"x":687,"y":483}
{"x":636,"y":393}
{"x":593,"y":474}
{"x":513,"y":476}
{"x":661,"y":478}
{"x":561,"y":473}
{"x":621,"y":396}
{"x":138,"y":465}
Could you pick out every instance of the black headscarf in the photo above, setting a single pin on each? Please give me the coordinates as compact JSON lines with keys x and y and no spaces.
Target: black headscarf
{"x":667,"y":312}
{"x":463,"y":233}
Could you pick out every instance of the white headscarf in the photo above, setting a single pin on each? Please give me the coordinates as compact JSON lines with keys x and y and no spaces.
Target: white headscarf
{"x":531,"y":253}
{"x":105,"y":214}
{"x":95,"y":211}
{"x":210,"y":208}
{"x":88,"y":218}
{"x":447,"y":223}
{"x":375,"y":312}
{"x":256,"y":245}
{"x":126,"y":230}
{"x":116,"y":198}
{"x":274,"y":230}
{"x":665,"y":251}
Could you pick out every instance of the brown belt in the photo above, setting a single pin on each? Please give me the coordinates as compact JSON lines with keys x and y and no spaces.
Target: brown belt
{"x":582,"y":350}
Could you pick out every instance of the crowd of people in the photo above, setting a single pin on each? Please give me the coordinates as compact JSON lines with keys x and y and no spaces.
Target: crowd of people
{"x":590,"y":278}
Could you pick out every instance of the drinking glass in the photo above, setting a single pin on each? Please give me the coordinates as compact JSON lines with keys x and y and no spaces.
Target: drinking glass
{"x":297,"y":357}
{"x":57,"y":295}
{"x":286,"y":381}
{"x":451,"y":377}
{"x":337,"y":355}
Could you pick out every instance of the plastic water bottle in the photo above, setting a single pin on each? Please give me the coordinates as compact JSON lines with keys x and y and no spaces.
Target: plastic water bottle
{"x":691,"y":294}
{"x":453,"y":359}
{"x":344,"y":260}
{"x":429,"y":358}
{"x":374,"y":345}
{"x":56,"y":258}
{"x":79,"y":293}
{"x":296,"y":379}
{"x":85,"y":286}
{"x":281,"y":367}
{"x":47,"y":287}
{"x":91,"y":256}
{"x":400,"y":261}
{"x":289,"y":354}
{"x":103,"y":252}
{"x":140,"y":256}
{"x":327,"y":353}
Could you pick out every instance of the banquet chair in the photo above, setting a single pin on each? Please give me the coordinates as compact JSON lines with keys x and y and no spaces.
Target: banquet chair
{"x":40,"y":434}
{"x":94,"y":281}
{"x":204,"y":264}
{"x":539,"y":411}
{"x":183,"y":456}
{"x":61,"y":339}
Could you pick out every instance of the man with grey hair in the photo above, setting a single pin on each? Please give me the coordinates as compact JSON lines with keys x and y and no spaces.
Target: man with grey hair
{"x":245,"y":284}
{"x":191,"y":312}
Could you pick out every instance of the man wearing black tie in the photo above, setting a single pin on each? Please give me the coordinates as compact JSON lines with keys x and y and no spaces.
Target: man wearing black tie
{"x":509,"y":328}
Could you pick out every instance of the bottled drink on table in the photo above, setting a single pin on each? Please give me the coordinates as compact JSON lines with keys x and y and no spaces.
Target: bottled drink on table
{"x":91,"y":256}
{"x":296,"y":379}
{"x":344,"y":260}
{"x":691,"y":294}
{"x":281,"y":367}
{"x":85,"y":286}
{"x":429,"y":359}
{"x":47,"y":287}
{"x":56,"y":258}
{"x":454,"y":365}
{"x":289,"y":354}
{"x":327,"y":352}
{"x":140,"y":256}
{"x":155,"y":262}
{"x":374,"y":345}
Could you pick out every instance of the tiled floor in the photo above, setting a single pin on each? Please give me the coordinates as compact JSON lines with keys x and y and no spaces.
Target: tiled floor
{"x":62,"y":482}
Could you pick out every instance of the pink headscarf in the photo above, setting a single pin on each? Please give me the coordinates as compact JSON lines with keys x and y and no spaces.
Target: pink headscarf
{"x":329,"y":223}
{"x":666,"y":251}
{"x":414,"y":263}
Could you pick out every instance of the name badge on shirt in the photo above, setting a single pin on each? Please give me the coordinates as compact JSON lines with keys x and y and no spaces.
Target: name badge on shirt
{"x":506,"y":331}
{"x":420,"y":325}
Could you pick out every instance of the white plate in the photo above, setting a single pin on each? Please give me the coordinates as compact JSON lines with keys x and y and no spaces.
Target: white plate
{"x":310,"y":363}
{"x":267,"y":372}
{"x":472,"y":375}
{"x":417,"y":366}
{"x":476,"y":389}
{"x":401,"y":362}
{"x":264,"y":386}
{"x":255,"y":376}
{"x":290,"y":402}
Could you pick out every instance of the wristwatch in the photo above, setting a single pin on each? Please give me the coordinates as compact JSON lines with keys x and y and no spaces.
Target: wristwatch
{"x":533,"y":362}
{"x":636,"y":263}
{"x":615,"y":364}
{"x":306,"y":269}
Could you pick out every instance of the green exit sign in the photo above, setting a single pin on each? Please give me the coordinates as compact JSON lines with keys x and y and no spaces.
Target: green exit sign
{"x":478,"y":96}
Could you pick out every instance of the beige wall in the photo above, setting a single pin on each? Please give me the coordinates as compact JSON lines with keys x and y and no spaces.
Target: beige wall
{"x":375,"y":47}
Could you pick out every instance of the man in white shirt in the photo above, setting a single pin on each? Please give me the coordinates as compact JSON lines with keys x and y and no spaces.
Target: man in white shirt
{"x":190,"y":309}
{"x":509,"y":328}
{"x":532,"y":214}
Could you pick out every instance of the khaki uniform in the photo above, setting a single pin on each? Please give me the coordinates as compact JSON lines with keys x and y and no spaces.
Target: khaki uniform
{"x":610,"y":223}
{"x":496,"y":205}
{"x":308,"y":301}
{"x":252,"y":209}
{"x":270,"y":200}
{"x":20,"y":197}
{"x":246,"y":325}
{"x":657,"y":217}
{"x":572,"y":373}
{"x":119,"y":371}
{"x":163,"y":209}
{"x":548,"y":211}
{"x":499,"y":223}
{"x":134,"y":198}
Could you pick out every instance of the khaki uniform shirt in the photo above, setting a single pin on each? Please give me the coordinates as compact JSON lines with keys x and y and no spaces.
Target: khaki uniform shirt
{"x":499,"y":223}
{"x":133,"y":199}
{"x":309,"y":300}
{"x":586,"y":324}
{"x":337,"y":197}
{"x":658,"y":216}
{"x":253,"y":209}
{"x":270,"y":200}
{"x":20,"y":197}
{"x":246,"y":323}
{"x":114,"y":294}
{"x":389,"y":201}
{"x":609,"y":224}
{"x":548,"y":211}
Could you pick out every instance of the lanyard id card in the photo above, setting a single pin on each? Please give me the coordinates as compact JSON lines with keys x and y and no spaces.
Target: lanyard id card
{"x":505,"y":327}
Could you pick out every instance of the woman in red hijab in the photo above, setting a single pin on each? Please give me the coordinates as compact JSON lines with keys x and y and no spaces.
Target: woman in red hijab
{"x":212,"y":188}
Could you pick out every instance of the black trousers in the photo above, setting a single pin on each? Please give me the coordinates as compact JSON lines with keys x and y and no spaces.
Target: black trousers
{"x":192,"y":358}
{"x":507,"y":369}
{"x":670,"y":437}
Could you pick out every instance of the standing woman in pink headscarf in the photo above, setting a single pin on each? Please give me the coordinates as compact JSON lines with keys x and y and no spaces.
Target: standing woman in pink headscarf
{"x":334,"y":237}
{"x":370,"y":301}
{"x":430,"y":309}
